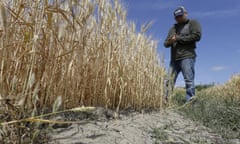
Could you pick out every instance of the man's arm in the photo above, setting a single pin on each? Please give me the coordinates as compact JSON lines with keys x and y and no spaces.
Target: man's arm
{"x":168,"y":42}
{"x":194,"y":36}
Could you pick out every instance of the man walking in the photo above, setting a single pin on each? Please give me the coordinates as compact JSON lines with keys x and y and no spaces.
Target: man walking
{"x":182,"y":38}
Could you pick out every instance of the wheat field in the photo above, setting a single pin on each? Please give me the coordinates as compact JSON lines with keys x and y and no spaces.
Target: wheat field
{"x":84,"y":51}
{"x":59,"y":55}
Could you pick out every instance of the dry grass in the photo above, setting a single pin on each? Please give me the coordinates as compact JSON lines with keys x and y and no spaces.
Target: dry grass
{"x":218,"y":108}
{"x":83,"y":51}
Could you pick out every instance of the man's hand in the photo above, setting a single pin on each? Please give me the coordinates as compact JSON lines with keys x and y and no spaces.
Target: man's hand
{"x":172,"y":39}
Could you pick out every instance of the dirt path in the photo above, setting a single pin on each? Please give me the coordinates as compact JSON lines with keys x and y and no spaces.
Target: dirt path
{"x":166,"y":127}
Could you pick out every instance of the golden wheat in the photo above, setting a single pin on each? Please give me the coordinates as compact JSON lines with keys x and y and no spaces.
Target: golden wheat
{"x":84,"y":51}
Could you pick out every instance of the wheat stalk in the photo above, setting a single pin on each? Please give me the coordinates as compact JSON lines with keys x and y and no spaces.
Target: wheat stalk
{"x":87,"y":52}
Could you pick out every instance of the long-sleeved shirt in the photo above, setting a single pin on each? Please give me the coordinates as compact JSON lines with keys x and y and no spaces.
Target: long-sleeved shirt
{"x":187,"y":34}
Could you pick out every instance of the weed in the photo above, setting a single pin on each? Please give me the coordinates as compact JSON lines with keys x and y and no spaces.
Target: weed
{"x":218,"y":108}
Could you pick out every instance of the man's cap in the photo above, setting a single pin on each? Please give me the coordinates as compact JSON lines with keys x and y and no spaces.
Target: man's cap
{"x":179,"y":11}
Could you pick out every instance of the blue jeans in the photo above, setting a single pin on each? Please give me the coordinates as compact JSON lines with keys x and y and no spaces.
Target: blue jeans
{"x":186,"y":66}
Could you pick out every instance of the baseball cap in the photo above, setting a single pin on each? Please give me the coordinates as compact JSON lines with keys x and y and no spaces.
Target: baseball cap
{"x":179,"y":11}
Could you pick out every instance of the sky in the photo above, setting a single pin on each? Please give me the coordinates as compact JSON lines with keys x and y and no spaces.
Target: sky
{"x":219,"y":49}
